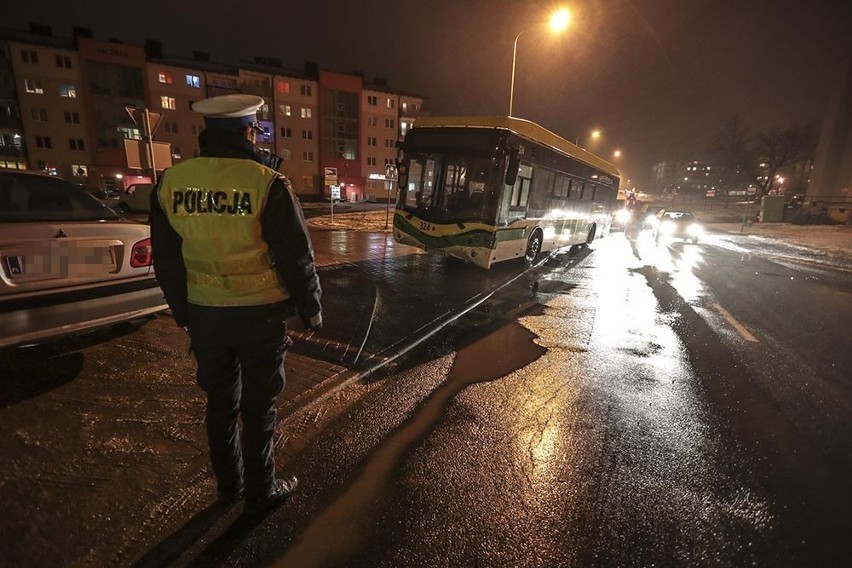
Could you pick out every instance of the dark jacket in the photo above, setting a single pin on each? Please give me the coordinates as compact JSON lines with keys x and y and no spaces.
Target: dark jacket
{"x":283,"y":229}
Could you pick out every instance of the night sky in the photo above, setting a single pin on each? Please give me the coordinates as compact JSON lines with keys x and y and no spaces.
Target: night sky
{"x":658,"y":77}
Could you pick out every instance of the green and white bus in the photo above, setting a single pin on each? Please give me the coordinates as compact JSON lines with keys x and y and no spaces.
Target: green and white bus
{"x":489,"y":189}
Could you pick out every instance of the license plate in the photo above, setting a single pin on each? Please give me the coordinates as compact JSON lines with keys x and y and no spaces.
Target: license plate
{"x":60,"y":260}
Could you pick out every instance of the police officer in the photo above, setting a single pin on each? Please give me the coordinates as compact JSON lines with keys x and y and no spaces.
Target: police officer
{"x":234,"y":260}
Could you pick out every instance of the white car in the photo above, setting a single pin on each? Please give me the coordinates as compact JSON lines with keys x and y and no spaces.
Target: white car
{"x":68,"y":263}
{"x":677,"y":225}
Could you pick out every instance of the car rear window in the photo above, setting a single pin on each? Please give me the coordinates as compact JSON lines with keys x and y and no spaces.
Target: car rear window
{"x":27,"y":197}
{"x":679,"y":215}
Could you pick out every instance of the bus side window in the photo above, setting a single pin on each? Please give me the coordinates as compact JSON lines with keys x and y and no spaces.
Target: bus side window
{"x":561,"y":187}
{"x":521,"y":189}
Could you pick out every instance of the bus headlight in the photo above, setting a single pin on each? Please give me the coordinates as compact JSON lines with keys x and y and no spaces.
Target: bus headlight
{"x":651,"y":220}
{"x":622,"y":216}
{"x":667,"y":227}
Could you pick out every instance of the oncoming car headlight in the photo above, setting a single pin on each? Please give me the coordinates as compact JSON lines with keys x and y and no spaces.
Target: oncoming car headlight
{"x":695,"y":229}
{"x":667,"y":227}
{"x":651,"y":220}
{"x":622,"y":216}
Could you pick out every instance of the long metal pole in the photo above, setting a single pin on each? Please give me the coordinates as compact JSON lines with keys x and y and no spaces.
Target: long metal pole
{"x":149,"y":140}
{"x":512,"y":86}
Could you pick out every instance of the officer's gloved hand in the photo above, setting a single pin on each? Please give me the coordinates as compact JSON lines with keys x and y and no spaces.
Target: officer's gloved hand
{"x":312,"y":323}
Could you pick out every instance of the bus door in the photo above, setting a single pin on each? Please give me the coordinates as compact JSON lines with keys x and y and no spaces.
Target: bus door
{"x":517,"y":197}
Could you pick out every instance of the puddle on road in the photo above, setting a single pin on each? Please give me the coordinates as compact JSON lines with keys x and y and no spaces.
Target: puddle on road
{"x":507,"y":349}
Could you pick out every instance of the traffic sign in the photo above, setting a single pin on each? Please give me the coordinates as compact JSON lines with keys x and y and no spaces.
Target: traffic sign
{"x":138,"y":116}
{"x":330,"y":176}
{"x":335,"y":192}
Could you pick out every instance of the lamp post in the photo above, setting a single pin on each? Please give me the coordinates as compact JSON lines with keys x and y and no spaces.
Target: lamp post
{"x":558,"y":22}
{"x":595,"y":134}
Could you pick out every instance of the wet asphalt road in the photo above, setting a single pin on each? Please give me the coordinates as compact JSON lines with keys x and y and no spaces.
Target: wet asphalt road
{"x":630,"y":405}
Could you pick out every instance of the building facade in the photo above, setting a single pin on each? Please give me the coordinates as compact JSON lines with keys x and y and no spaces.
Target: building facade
{"x":71,"y":107}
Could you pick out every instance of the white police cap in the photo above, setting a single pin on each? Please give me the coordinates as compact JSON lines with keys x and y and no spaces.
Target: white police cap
{"x":229,"y":111}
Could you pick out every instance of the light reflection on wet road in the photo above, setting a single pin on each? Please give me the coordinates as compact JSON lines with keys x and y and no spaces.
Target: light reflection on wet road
{"x":629,"y":441}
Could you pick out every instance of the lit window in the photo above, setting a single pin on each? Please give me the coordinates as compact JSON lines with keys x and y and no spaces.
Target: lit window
{"x":390,"y":103}
{"x":284,"y":87}
{"x":68,"y":91}
{"x":168,"y":103}
{"x":165,"y":77}
{"x":33,"y":86}
{"x":285,"y":110}
{"x":306,"y":112}
{"x":193,"y":81}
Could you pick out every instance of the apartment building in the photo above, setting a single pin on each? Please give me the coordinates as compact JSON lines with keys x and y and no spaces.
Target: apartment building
{"x":380,"y":110}
{"x":64,"y":110}
{"x":52,"y":117}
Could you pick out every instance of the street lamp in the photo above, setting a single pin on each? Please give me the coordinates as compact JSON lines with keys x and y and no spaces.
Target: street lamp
{"x":558,"y":22}
{"x":595,"y":134}
{"x":616,"y":154}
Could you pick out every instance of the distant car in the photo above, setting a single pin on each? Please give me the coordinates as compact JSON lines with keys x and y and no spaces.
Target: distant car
{"x":677,"y":225}
{"x":135,"y":199}
{"x":68,"y":263}
{"x":620,"y":218}
{"x":107,"y":197}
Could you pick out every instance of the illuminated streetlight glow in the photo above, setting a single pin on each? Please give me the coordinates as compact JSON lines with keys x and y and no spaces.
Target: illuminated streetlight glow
{"x":558,"y":22}
{"x":617,"y":153}
{"x":596,"y":134}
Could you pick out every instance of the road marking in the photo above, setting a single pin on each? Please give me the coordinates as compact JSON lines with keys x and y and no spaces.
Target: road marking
{"x":737,"y":325}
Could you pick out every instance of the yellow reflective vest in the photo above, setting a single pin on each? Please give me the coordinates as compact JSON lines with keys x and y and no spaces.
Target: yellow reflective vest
{"x":215,"y":205}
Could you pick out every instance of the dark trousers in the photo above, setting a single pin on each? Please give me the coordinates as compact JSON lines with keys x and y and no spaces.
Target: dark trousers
{"x":240,"y":354}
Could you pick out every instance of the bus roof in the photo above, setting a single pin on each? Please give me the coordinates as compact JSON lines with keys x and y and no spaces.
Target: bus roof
{"x":523,"y":128}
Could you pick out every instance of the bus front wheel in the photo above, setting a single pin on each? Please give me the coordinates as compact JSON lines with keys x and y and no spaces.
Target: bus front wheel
{"x":533,"y":247}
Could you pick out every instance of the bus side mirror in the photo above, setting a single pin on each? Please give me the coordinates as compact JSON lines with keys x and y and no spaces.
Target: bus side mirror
{"x":401,"y":174}
{"x":513,"y":165}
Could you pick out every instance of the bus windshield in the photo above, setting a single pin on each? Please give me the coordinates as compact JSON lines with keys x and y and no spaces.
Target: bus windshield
{"x":451,"y":188}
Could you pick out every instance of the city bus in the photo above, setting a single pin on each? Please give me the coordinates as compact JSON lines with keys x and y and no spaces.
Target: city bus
{"x":491,"y":189}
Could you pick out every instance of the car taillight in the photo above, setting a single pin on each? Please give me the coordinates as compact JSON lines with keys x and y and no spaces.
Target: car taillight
{"x":140,"y":254}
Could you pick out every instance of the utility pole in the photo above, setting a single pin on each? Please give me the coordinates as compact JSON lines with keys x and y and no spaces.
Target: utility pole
{"x":148,"y":138}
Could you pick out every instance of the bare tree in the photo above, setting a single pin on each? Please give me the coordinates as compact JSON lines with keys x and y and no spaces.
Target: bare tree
{"x":745,"y":158}
{"x":779,"y":149}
